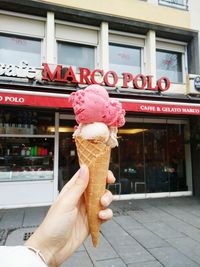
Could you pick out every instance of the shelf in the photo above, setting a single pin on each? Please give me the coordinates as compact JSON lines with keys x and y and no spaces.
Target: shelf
{"x":28,"y":135}
{"x":28,"y":157}
{"x":26,"y":175}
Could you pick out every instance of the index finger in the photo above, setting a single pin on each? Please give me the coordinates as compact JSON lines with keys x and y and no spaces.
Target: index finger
{"x":110,"y":178}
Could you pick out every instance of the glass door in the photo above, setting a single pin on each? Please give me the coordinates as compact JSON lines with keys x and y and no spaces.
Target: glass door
{"x":152,"y":157}
{"x":68,"y":159}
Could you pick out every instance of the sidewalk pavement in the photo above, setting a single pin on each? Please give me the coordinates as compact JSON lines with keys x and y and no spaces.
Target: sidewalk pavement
{"x":143,"y":233}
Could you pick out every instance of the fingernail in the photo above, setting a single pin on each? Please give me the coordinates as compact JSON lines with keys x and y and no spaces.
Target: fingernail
{"x":102,"y":214}
{"x":106,"y":200}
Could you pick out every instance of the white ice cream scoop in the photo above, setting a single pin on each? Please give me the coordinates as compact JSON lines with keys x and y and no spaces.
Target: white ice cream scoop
{"x":93,"y":131}
{"x":97,"y":131}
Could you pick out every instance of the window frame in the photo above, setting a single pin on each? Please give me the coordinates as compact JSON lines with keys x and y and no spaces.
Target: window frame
{"x":129,"y":40}
{"x":8,"y":28}
{"x":77,"y":44}
{"x":67,"y":32}
{"x":169,"y":3}
{"x":24,"y":37}
{"x":174,"y":47}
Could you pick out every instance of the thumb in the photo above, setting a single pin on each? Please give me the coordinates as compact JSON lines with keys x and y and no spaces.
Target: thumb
{"x":79,"y":186}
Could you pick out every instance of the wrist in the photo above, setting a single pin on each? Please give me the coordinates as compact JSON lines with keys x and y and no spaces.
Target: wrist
{"x":37,"y":253}
{"x":42,"y":251}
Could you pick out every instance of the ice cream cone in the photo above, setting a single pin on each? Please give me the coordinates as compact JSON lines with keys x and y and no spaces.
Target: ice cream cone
{"x":96,"y":155}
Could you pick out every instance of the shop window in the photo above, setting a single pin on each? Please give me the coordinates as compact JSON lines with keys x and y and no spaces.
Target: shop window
{"x":26,"y":145}
{"x":26,"y":122}
{"x":68,"y":157}
{"x":26,"y":159}
{"x":76,"y":55}
{"x":169,"y":64}
{"x":14,"y":49}
{"x":146,"y":161}
{"x":175,"y":3}
{"x":124,"y":58}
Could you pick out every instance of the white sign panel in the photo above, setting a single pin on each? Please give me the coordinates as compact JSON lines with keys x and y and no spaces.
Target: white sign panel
{"x":194,"y":84}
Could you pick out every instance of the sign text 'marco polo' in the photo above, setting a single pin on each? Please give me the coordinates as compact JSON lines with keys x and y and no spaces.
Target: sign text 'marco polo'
{"x":98,"y":76}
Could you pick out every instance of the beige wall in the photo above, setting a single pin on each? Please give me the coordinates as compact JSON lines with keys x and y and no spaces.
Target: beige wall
{"x":194,"y":6}
{"x":132,"y":9}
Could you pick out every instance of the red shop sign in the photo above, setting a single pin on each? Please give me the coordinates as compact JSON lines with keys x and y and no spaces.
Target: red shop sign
{"x":34,"y":100}
{"x":62,"y":102}
{"x":109,"y":78}
{"x":162,"y":108}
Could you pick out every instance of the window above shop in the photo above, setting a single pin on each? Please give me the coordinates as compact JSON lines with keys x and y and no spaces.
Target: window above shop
{"x":76,"y":55}
{"x":169,"y":64}
{"x":14,"y":49}
{"x":183,"y":4}
{"x":124,"y":58}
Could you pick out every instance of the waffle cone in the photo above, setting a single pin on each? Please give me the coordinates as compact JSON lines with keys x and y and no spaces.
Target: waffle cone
{"x":96,"y":156}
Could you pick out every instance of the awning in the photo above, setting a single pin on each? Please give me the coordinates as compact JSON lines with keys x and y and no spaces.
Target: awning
{"x":53,"y":100}
{"x":34,"y":99}
{"x":162,"y":108}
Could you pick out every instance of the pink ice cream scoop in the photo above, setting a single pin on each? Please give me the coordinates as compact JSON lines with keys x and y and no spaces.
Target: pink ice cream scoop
{"x":94,"y":105}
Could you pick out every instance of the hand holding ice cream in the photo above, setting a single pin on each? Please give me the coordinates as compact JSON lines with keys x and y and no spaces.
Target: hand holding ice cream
{"x":98,"y":117}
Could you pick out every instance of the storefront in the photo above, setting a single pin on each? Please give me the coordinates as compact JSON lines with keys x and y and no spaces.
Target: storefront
{"x":38,"y":154}
{"x":42,"y":63}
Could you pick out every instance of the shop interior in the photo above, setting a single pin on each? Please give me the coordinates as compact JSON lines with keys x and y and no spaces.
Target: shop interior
{"x":150,"y":157}
{"x":26,"y":145}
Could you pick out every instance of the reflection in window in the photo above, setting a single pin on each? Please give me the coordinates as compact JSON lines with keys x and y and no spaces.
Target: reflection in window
{"x":169,"y":64}
{"x":26,"y":122}
{"x":26,"y":159}
{"x":14,"y":49}
{"x":146,"y":161}
{"x":124,"y":59}
{"x":76,"y":55}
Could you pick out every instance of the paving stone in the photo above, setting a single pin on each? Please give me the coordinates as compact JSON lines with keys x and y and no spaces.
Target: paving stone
{"x":183,"y":215}
{"x":183,"y":227}
{"x":163,"y":230}
{"x":170,"y":257}
{"x":193,"y":210}
{"x":146,"y":264}
{"x":34,"y":216}
{"x":102,"y":252}
{"x":188,"y":247}
{"x":2,"y":212}
{"x":12,"y":219}
{"x":147,"y":238}
{"x":144,"y":216}
{"x":110,"y":263}
{"x":78,"y":259}
{"x":116,"y":235}
{"x":134,"y":253}
{"x":19,"y":236}
{"x":127,"y":222}
{"x":126,"y":246}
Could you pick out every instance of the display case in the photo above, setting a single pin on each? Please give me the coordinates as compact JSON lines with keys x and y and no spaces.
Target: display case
{"x":26,"y":158}
{"x":26,"y":145}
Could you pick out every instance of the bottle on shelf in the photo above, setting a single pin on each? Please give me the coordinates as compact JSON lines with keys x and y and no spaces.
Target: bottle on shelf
{"x":28,"y":151}
{"x":23,"y":151}
{"x":35,"y":151}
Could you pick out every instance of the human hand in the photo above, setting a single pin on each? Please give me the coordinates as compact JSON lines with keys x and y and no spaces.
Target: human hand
{"x":65,"y":227}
